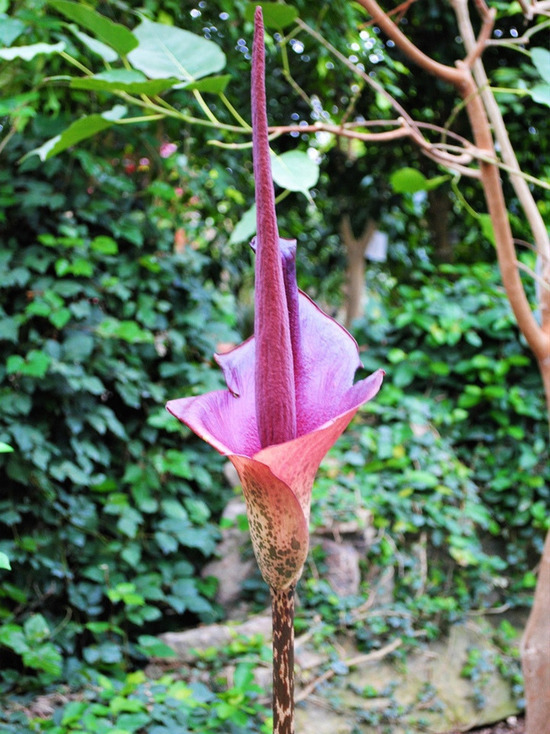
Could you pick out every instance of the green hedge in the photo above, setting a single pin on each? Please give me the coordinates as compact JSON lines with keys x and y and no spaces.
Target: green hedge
{"x":107,"y":309}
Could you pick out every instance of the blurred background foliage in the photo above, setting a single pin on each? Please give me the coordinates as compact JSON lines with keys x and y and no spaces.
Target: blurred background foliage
{"x":119,"y":280}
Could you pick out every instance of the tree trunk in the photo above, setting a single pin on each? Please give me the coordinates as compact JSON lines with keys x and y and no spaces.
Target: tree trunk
{"x":355,"y":273}
{"x":535,"y":652}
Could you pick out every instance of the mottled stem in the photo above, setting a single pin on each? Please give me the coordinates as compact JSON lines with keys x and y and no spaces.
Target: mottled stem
{"x":282,"y":610}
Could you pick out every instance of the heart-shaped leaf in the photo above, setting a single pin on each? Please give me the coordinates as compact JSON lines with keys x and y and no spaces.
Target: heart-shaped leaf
{"x":294,"y":171}
{"x":165,"y":51}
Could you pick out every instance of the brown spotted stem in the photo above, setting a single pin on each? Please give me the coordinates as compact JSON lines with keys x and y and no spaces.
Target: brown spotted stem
{"x":282,"y":610}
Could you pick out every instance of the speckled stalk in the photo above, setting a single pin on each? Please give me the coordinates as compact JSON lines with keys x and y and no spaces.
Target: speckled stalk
{"x":282,"y":610}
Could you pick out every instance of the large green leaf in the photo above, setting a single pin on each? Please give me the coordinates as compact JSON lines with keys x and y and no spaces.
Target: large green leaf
{"x":27,"y":53}
{"x":122,"y":80}
{"x":294,"y":171}
{"x":84,"y":128}
{"x":276,"y":15}
{"x":113,"y":34}
{"x":165,"y":51}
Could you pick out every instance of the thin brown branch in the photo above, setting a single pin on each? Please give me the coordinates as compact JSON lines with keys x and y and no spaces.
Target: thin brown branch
{"x":517,"y":179}
{"x":488,"y":23}
{"x":446,"y":73}
{"x":350,"y":663}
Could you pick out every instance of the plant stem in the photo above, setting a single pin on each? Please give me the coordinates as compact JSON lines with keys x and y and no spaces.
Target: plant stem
{"x":282,"y":610}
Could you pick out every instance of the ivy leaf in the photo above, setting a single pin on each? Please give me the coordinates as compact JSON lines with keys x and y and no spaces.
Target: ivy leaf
{"x":78,"y":131}
{"x":122,"y":80}
{"x":276,"y":15}
{"x":165,"y":51}
{"x":113,"y":34}
{"x":295,"y":171}
{"x":27,"y":53}
{"x":128,"y":331}
{"x":4,"y":561}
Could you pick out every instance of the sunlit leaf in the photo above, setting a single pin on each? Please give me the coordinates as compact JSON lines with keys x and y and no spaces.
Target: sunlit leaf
{"x":294,"y":171}
{"x":27,"y":53}
{"x":165,"y":51}
{"x":4,"y":561}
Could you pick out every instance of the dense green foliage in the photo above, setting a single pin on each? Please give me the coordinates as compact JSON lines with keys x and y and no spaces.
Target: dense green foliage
{"x":106,"y":513}
{"x":118,"y":277}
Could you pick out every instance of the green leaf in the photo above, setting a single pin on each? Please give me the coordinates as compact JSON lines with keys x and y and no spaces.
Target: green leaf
{"x":152,"y":647}
{"x":10,"y":29}
{"x":4,"y":560}
{"x":95,"y":46}
{"x":276,"y":15}
{"x":5,"y":448}
{"x":36,"y":629}
{"x":78,"y":131}
{"x":294,"y":171}
{"x":122,"y":80}
{"x":165,"y":51}
{"x":541,"y":60}
{"x":44,"y":658}
{"x":113,"y":34}
{"x":213,"y":84}
{"x":487,"y":228}
{"x":540,"y":93}
{"x":245,"y":227}
{"x":35,"y":364}
{"x":129,"y":331}
{"x":407,"y":181}
{"x":104,"y":245}
{"x":27,"y":53}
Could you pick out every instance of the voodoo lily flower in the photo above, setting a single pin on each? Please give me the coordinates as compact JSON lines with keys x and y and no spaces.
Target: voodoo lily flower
{"x":291,"y":390}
